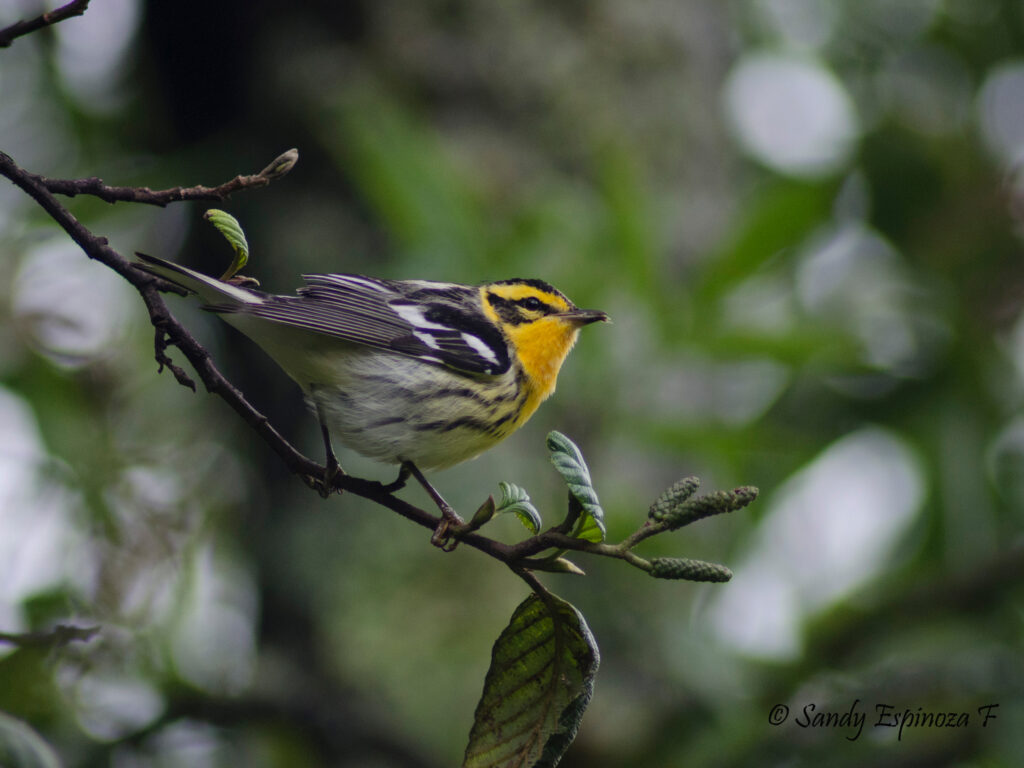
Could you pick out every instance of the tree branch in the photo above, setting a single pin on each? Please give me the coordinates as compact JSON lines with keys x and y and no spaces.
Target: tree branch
{"x":97,"y":248}
{"x":112,"y":194}
{"x":169,"y":332}
{"x":94,"y":247}
{"x":58,"y":637}
{"x":20,"y":28}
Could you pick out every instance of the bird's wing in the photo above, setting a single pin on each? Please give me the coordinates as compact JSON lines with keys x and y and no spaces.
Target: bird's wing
{"x":418,"y":319}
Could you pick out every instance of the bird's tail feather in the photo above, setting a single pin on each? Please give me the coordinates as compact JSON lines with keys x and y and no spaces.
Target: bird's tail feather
{"x":209,"y":289}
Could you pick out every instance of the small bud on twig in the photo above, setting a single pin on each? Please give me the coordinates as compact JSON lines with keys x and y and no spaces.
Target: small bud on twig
{"x":281,"y":165}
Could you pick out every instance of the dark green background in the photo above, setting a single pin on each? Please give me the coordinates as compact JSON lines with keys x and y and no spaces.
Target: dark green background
{"x":846,"y":338}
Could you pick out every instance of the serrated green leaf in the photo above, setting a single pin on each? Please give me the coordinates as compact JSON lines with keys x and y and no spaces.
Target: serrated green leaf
{"x":539,"y":684}
{"x":517,"y":501}
{"x":231,"y":230}
{"x":22,"y":747}
{"x":569,"y":462}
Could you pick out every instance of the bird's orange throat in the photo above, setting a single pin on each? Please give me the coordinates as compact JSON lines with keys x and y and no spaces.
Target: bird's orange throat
{"x":542,"y":347}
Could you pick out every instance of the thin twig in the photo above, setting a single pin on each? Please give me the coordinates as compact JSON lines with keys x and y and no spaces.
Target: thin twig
{"x":20,"y":28}
{"x":96,"y":247}
{"x":216,"y":383}
{"x":58,"y":637}
{"x":170,"y":332}
{"x":163,"y":197}
{"x":648,"y":529}
{"x":535,"y":584}
{"x":173,"y":333}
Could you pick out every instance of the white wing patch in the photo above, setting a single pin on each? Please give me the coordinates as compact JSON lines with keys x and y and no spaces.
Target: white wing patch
{"x":480,"y":347}
{"x":413,"y":315}
{"x":427,"y":339}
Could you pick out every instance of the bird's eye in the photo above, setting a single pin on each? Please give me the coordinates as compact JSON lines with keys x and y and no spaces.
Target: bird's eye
{"x":532,"y":303}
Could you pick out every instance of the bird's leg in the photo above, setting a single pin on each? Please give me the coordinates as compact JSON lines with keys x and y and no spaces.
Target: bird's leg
{"x":443,"y":534}
{"x":332,"y":469}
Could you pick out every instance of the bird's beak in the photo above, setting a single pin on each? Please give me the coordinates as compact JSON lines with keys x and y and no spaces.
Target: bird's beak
{"x":583,"y":317}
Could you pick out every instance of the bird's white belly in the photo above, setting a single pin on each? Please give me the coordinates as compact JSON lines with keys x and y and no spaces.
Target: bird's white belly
{"x":391,"y":407}
{"x":397,"y":409}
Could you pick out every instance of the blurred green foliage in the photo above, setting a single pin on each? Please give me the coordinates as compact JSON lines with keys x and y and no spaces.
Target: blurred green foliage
{"x":827,"y":310}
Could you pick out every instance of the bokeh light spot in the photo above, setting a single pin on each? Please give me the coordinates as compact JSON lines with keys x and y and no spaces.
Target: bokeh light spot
{"x":791,"y":114}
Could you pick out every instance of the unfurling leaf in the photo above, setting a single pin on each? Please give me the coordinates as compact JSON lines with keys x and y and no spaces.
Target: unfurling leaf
{"x":690,"y":570}
{"x":281,"y":164}
{"x":517,"y":501}
{"x":231,"y":230}
{"x":569,"y":462}
{"x":539,"y":684}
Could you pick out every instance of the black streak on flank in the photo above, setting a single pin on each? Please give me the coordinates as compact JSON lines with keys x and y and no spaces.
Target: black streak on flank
{"x":385,"y":422}
{"x":466,"y":422}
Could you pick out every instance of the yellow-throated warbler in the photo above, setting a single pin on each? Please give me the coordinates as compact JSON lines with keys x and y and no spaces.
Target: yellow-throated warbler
{"x":411,"y":372}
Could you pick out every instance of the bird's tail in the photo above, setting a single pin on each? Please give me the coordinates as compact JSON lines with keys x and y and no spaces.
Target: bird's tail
{"x":213,"y":292}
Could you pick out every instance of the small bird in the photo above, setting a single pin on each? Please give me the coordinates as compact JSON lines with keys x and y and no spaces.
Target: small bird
{"x":410,"y":372}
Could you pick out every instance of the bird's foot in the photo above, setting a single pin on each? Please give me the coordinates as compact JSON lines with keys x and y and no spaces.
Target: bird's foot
{"x":329,"y":482}
{"x":446,"y":535}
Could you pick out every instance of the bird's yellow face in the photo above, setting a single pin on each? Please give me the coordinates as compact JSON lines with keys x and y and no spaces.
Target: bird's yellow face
{"x":541,"y":324}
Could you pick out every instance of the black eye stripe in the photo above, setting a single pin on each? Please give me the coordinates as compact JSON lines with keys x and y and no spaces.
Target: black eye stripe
{"x":519,"y":311}
{"x":534,"y":304}
{"x":505,"y":309}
